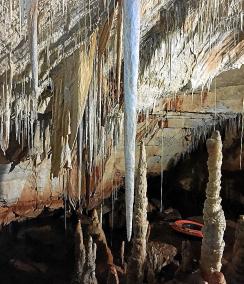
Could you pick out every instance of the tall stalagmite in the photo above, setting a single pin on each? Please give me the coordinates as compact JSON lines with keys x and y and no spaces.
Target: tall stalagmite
{"x":131,"y":63}
{"x":107,"y":269}
{"x":85,"y":257}
{"x":89,"y":273}
{"x":80,"y":255}
{"x":136,"y":263}
{"x":236,"y":272}
{"x":213,"y":215}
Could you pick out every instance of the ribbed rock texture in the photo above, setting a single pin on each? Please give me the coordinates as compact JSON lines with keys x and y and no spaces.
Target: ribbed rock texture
{"x":85,"y":258}
{"x":80,"y":255}
{"x":213,"y":215}
{"x":105,"y":266}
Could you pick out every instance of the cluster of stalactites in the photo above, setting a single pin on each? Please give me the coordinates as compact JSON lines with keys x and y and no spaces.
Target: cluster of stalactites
{"x":87,"y":108}
{"x":18,"y":111}
{"x":175,"y":54}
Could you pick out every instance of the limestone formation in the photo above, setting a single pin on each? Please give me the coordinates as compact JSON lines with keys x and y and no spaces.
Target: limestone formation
{"x":80,"y":255}
{"x":217,"y":278}
{"x":105,"y":266}
{"x":236,"y":271}
{"x":85,"y":258}
{"x":158,"y":256}
{"x":213,"y":215}
{"x":90,"y":267}
{"x":131,"y":25}
{"x":187,"y":258}
{"x":135,"y":271}
{"x":49,"y":42}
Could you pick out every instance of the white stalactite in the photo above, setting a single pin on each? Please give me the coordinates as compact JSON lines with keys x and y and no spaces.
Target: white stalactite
{"x":34,"y":46}
{"x":131,"y":63}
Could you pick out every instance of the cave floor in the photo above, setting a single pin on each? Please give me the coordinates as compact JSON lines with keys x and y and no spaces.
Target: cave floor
{"x":43,"y":252}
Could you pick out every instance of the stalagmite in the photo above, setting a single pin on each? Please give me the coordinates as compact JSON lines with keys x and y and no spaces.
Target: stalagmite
{"x":80,"y":255}
{"x":136,"y":263}
{"x":213,"y":215}
{"x":89,"y":273}
{"x":187,"y":257}
{"x":85,"y":258}
{"x":106,"y":268}
{"x":236,"y":270}
{"x":131,"y":21}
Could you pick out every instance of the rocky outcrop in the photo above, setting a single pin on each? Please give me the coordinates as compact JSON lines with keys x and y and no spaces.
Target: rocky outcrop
{"x":213,"y":215}
{"x":158,"y":256}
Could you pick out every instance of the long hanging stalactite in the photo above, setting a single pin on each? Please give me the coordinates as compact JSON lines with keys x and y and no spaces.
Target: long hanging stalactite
{"x":131,"y":41}
{"x":34,"y":46}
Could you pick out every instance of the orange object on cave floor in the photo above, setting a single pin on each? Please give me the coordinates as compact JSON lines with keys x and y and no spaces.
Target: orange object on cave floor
{"x":188,"y":227}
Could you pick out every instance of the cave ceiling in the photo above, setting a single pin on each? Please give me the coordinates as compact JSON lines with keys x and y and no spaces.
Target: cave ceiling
{"x":191,"y":78}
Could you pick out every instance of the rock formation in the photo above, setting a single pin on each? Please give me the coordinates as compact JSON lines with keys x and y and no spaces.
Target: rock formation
{"x":90,"y":267}
{"x":74,"y":104}
{"x":217,"y":278}
{"x":213,"y":215}
{"x":187,"y":258}
{"x":236,"y":269}
{"x":132,"y":14}
{"x":136,"y":265}
{"x":80,"y":255}
{"x":67,"y":52}
{"x":105,"y":266}
{"x":158,"y":256}
{"x":85,"y":255}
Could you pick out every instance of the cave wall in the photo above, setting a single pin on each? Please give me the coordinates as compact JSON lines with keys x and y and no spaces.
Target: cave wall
{"x":184,"y":46}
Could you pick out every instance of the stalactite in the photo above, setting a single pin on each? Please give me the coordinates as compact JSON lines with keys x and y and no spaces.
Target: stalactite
{"x":242,"y":130}
{"x":213,"y":215}
{"x":131,"y":64}
{"x":37,"y":143}
{"x":119,"y":48}
{"x":34,"y":46}
{"x":162,"y":171}
{"x":135,"y":271}
{"x":70,"y":98}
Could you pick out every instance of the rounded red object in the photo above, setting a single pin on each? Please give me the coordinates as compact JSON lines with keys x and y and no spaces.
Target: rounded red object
{"x":188,"y":227}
